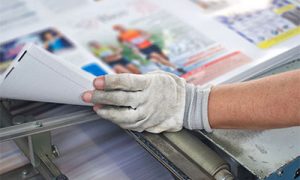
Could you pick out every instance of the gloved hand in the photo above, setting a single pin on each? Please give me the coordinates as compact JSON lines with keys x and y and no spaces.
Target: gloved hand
{"x":153,"y":102}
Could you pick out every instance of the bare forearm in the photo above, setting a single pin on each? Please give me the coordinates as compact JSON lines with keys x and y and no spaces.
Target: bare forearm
{"x":271,"y":102}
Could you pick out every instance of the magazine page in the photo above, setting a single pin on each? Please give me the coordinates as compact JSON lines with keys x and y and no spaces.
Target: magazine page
{"x":24,"y":23}
{"x":268,"y":31}
{"x":180,"y":38}
{"x":265,"y":23}
{"x":22,"y":14}
{"x":141,"y":36}
{"x":38,"y":75}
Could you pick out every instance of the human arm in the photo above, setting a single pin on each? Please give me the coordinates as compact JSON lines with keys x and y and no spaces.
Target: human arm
{"x":271,"y":102}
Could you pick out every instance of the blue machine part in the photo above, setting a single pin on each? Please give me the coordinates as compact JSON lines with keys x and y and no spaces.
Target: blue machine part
{"x":290,"y":171}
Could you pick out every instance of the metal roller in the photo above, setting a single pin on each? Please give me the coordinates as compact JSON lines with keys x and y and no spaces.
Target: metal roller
{"x":200,"y":154}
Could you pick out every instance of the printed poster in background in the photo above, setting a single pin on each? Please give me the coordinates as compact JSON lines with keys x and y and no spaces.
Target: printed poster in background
{"x":138,"y":37}
{"x":55,"y":42}
{"x":264,"y":23}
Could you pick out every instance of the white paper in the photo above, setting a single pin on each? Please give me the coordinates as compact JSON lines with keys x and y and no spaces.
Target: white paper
{"x":38,"y":75}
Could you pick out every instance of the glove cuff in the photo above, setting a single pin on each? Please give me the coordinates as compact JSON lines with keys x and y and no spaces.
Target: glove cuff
{"x":196,"y":108}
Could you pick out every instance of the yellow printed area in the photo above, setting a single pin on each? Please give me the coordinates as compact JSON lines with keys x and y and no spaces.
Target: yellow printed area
{"x":4,"y":65}
{"x":284,"y":9}
{"x":281,"y":37}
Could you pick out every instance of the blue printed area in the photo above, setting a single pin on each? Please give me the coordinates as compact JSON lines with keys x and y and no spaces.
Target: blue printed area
{"x":94,"y":69}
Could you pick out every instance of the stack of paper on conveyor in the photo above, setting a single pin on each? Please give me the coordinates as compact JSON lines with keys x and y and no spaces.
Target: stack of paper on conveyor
{"x":203,"y":41}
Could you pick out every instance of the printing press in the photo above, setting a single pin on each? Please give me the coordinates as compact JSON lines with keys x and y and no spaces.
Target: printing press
{"x":221,"y":155}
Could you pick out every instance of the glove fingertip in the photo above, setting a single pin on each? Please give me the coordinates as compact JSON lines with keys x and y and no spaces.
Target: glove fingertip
{"x":87,"y":96}
{"x":97,"y":107}
{"x":99,"y":83}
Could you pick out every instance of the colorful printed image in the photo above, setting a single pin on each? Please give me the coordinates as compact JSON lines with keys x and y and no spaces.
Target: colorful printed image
{"x":213,"y":69}
{"x":137,"y":47}
{"x":211,"y":5}
{"x":94,"y":69}
{"x":140,"y":37}
{"x":50,"y":39}
{"x":263,"y":22}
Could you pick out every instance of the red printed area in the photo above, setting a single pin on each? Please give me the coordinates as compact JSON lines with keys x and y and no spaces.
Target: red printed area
{"x":209,"y":53}
{"x":216,"y":68}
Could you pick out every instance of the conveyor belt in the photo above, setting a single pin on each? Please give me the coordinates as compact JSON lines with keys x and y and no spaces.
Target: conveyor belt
{"x":92,"y":150}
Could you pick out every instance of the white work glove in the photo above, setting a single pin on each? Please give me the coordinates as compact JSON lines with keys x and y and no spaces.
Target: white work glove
{"x":153,"y":102}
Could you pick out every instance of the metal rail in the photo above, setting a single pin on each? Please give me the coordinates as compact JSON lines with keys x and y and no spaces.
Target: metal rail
{"x":48,"y":124}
